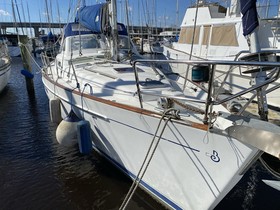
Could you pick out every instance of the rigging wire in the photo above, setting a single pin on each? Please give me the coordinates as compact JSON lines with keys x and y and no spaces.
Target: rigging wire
{"x":24,"y":19}
{"x":48,"y":15}
{"x":31,"y":33}
{"x":127,"y":20}
{"x":51,"y":14}
{"x":59,"y":18}
{"x":193,"y":36}
{"x":15,"y":20}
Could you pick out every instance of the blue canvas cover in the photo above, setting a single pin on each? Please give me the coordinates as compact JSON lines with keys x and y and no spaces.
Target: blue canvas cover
{"x":91,"y":17}
{"x":122,"y":29}
{"x":49,"y":37}
{"x":250,"y":16}
{"x":73,"y":29}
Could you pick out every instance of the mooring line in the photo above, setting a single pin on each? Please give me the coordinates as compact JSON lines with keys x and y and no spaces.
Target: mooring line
{"x":144,"y":169}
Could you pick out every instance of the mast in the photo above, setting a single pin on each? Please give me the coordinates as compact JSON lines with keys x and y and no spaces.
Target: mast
{"x":48,"y":15}
{"x":24,"y":19}
{"x":114,"y":30}
{"x":30,"y":28}
{"x":234,"y":8}
{"x":127,"y":21}
{"x":177,"y":17}
{"x":59,"y":19}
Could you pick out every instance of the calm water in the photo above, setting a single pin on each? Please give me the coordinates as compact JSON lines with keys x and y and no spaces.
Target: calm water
{"x":37,"y":173}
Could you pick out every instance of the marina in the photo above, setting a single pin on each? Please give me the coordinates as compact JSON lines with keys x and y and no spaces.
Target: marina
{"x":93,"y":121}
{"x":38,"y":173}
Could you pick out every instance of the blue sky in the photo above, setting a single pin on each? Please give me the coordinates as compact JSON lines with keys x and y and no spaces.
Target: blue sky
{"x":161,"y":13}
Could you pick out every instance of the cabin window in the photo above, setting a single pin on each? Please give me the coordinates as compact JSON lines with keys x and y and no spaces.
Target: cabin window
{"x":84,"y":42}
{"x":123,"y":42}
{"x":186,"y":35}
{"x":91,"y":43}
{"x":206,"y":35}
{"x":224,"y":35}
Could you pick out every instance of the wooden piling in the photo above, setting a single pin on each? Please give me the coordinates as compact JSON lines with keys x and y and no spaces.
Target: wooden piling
{"x":25,"y":55}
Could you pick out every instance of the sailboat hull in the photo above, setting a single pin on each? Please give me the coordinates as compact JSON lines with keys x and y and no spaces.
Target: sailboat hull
{"x":5,"y":71}
{"x":191,"y":168}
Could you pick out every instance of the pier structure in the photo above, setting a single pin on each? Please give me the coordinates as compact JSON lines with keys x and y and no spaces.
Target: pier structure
{"x":39,"y":28}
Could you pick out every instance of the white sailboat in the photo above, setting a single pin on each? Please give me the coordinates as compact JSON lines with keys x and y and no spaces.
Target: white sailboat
{"x":211,"y":31}
{"x":150,"y":46}
{"x":181,"y":146}
{"x":5,"y":65}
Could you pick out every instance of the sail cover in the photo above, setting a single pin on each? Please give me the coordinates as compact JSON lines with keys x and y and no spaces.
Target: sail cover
{"x":91,"y":17}
{"x":250,"y":16}
{"x":122,"y":29}
{"x":74,"y":28}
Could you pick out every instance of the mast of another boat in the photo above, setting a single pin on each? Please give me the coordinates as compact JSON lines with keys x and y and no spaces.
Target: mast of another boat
{"x":198,"y":2}
{"x":114,"y":30}
{"x":254,"y":47}
{"x":127,"y":22}
{"x":177,"y":17}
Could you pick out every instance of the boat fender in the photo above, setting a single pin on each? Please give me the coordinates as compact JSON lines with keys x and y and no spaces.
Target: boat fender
{"x":55,"y":110}
{"x":27,"y":74}
{"x":84,"y":137}
{"x":66,"y":132}
{"x":200,"y":73}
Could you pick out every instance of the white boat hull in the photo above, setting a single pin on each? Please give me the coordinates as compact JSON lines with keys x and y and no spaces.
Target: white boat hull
{"x":5,"y":71}
{"x":191,"y":168}
{"x":14,"y":51}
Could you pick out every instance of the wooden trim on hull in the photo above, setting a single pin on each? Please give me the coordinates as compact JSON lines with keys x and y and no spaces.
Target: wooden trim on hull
{"x":126,"y":107}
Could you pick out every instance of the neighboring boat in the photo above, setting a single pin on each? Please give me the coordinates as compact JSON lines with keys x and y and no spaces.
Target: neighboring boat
{"x":147,"y":45}
{"x":168,"y":37}
{"x":12,"y":44}
{"x":5,"y":65}
{"x":183,"y":147}
{"x":152,"y":46}
{"x":211,"y":31}
{"x":48,"y":44}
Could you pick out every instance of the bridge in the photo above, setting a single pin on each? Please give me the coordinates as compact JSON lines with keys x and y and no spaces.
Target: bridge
{"x":37,"y":27}
{"x":40,"y":27}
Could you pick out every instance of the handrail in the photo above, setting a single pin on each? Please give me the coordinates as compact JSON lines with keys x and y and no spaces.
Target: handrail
{"x":212,"y":64}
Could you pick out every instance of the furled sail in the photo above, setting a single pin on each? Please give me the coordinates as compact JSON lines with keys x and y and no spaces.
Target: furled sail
{"x":122,"y":29}
{"x":250,"y":16}
{"x":93,"y":17}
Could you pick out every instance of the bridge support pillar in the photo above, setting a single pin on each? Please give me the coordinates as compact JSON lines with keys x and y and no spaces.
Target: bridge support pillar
{"x":36,"y":31}
{"x":3,"y":30}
